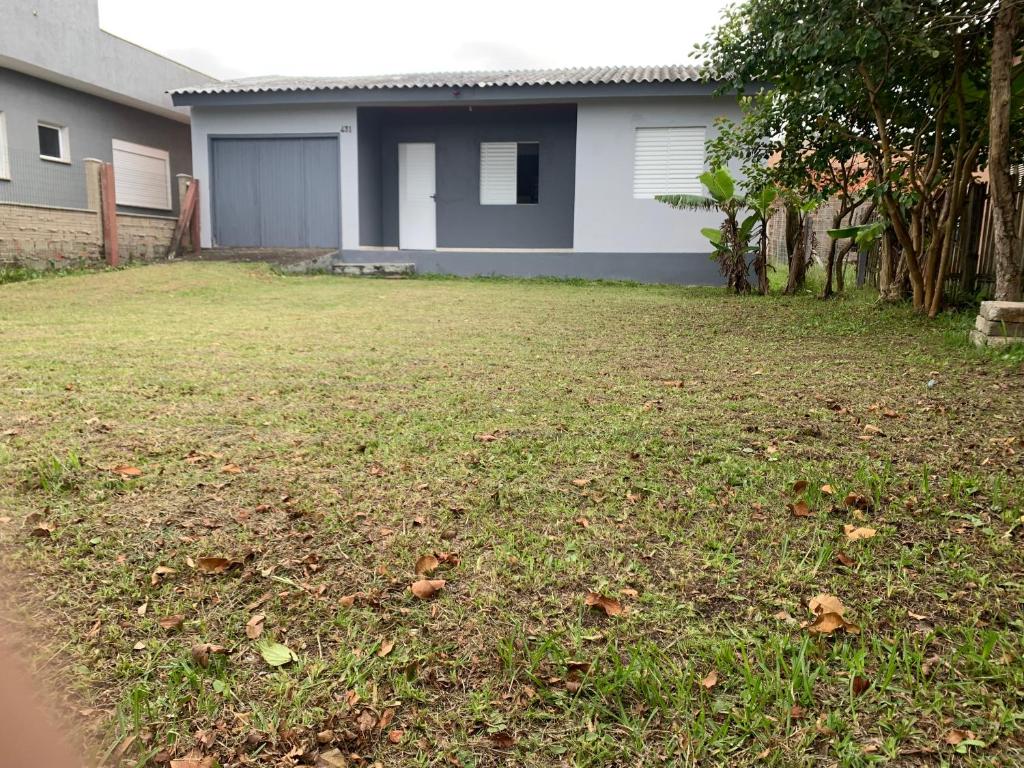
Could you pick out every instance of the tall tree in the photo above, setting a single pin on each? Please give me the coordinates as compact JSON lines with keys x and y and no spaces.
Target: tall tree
{"x":1004,"y":229}
{"x":900,"y":87}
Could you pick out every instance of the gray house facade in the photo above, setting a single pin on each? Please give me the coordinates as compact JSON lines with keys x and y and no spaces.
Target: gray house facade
{"x":71,"y":91}
{"x":523,"y":173}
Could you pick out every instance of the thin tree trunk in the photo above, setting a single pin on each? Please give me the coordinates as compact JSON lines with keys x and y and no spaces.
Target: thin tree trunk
{"x":1004,"y":229}
{"x":797,"y":255}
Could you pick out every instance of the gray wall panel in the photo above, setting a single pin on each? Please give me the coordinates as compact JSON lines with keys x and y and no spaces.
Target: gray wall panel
{"x":462,"y":222}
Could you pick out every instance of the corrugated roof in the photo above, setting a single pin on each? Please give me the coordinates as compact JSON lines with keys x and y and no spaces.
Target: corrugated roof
{"x":675,"y":73}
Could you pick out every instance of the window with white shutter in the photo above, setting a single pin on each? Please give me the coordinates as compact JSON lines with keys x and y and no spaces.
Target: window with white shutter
{"x":142,"y":176}
{"x":667,"y":161}
{"x":509,"y":173}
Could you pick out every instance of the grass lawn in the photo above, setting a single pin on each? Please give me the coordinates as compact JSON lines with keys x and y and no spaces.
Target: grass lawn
{"x":542,"y":441}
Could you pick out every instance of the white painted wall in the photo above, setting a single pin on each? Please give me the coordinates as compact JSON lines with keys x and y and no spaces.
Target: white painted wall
{"x":293,"y":119}
{"x":607,"y":216}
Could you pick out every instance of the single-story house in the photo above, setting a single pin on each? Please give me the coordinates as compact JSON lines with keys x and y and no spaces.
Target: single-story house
{"x":527,"y":172}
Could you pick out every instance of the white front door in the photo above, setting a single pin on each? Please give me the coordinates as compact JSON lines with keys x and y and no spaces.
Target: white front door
{"x":417,"y":217}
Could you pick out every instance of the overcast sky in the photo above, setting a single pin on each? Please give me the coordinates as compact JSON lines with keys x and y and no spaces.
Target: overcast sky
{"x":232,"y":38}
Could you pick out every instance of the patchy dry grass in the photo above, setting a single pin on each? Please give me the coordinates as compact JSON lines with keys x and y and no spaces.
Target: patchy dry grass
{"x":558,"y":439}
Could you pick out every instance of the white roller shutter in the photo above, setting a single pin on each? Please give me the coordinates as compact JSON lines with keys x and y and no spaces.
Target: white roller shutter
{"x":142,"y":176}
{"x":498,"y":172}
{"x":667,"y":161}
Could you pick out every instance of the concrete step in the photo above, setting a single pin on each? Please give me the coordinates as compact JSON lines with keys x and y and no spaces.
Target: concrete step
{"x":374,"y":269}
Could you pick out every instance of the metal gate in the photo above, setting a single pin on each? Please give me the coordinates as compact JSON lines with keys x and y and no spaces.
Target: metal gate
{"x":275,"y":192}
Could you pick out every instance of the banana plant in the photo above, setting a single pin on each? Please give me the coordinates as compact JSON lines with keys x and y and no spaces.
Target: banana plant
{"x":731,"y":241}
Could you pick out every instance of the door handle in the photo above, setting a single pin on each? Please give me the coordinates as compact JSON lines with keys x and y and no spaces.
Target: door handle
{"x":434,"y":197}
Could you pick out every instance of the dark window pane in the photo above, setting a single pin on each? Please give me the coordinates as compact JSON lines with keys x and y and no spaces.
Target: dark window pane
{"x":528,"y":173}
{"x":49,"y":141}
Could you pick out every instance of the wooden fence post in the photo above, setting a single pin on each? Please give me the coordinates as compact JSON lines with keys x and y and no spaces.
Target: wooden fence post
{"x":108,"y":205}
{"x":188,"y":217}
{"x":194,"y":224}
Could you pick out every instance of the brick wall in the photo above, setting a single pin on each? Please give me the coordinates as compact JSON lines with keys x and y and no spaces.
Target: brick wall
{"x":40,"y":237}
{"x":143,"y":238}
{"x":45,"y":237}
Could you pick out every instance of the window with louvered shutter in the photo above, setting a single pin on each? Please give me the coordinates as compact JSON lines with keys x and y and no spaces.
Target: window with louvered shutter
{"x":667,"y":161}
{"x":142,"y":176}
{"x":498,"y":172}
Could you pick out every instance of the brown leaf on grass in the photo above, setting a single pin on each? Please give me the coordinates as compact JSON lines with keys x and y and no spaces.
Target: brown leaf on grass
{"x":161,"y":572}
{"x":827,"y":490}
{"x":796,"y":712}
{"x":386,"y":647}
{"x":332,"y":758}
{"x":502,"y":740}
{"x":42,"y":530}
{"x":853,"y":533}
{"x":580,"y":482}
{"x":800,"y":486}
{"x":825,"y":603}
{"x":827,"y":623}
{"x":710,"y":680}
{"x":860,"y":684}
{"x":126,"y":470}
{"x":193,"y":760}
{"x":486,"y":437}
{"x":799,"y":509}
{"x":214,"y":565}
{"x":426,"y":564}
{"x":857,"y":500}
{"x":172,"y":622}
{"x":609,"y":605}
{"x":254,"y":626}
{"x":424,"y":589}
{"x":844,"y":559}
{"x":871,"y":429}
{"x":396,"y":735}
{"x":629,"y":592}
{"x":201,"y":653}
{"x":230,"y":469}
{"x":582,"y":522}
{"x":957,"y":735}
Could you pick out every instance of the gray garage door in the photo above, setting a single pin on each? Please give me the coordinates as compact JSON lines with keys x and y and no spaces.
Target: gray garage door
{"x":275,"y":192}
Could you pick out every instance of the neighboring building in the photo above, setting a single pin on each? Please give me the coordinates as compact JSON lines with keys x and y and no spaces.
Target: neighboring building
{"x":70,"y":91}
{"x":541,"y":172}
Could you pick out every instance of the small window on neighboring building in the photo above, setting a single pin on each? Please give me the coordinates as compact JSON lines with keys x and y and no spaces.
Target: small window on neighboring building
{"x":5,"y":158}
{"x":667,"y":161}
{"x":53,"y":142}
{"x":142,"y":176}
{"x":509,"y":173}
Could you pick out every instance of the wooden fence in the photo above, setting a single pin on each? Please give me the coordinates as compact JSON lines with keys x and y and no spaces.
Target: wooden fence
{"x":972,"y":267}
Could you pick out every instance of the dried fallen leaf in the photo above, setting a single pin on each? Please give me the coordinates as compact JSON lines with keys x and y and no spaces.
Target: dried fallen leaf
{"x":254,"y":627}
{"x":126,"y":470}
{"x":42,"y":530}
{"x":957,"y":735}
{"x":395,"y":736}
{"x":201,"y":653}
{"x":426,"y":564}
{"x":796,"y":712}
{"x":800,"y":486}
{"x":853,"y":533}
{"x":582,"y":522}
{"x":710,"y":680}
{"x":486,"y":438}
{"x":799,"y":508}
{"x":193,"y":760}
{"x":827,"y":623}
{"x":215,"y":564}
{"x":231,"y":469}
{"x":826,"y":489}
{"x":609,"y":605}
{"x":386,"y":647}
{"x":427,"y":588}
{"x":857,"y":500}
{"x":172,"y":622}
{"x":161,"y":572}
{"x":502,"y":740}
{"x":332,"y":758}
{"x":871,"y":429}
{"x":580,"y":482}
{"x":825,"y":603}
{"x":860,"y":684}
{"x":844,"y":559}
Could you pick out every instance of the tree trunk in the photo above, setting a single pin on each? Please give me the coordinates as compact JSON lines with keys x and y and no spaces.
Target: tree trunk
{"x":797,"y":255}
{"x":830,"y":262}
{"x":1004,"y":229}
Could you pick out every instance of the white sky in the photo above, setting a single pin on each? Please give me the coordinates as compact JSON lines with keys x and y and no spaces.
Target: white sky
{"x":240,"y":38}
